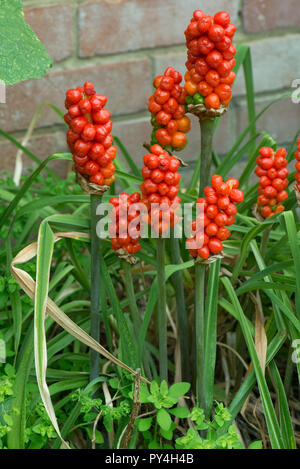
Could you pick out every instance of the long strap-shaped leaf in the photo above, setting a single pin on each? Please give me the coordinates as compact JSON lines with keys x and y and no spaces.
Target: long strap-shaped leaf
{"x":270,"y":415}
{"x":44,"y":305}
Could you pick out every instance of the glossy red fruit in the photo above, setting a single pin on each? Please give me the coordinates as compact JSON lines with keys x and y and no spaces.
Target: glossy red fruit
{"x":215,"y":245}
{"x":222,"y":18}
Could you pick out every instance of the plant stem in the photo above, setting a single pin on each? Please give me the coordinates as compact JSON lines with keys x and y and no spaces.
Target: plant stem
{"x":182,"y":318}
{"x":135,"y":315}
{"x":95,"y":287}
{"x":200,"y":333}
{"x":162,"y":310}
{"x":207,"y":132}
{"x":131,"y":297}
{"x":143,"y":354}
{"x":265,"y":240}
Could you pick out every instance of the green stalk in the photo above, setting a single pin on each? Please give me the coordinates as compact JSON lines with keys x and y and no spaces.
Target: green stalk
{"x":143,"y":355}
{"x":182,"y":317}
{"x":207,"y":132}
{"x":135,"y":315}
{"x":162,"y":310}
{"x":95,"y":287}
{"x":200,"y":333}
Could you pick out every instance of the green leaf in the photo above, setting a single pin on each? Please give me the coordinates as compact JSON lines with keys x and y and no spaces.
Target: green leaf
{"x":154,"y":388}
{"x":23,"y":56}
{"x":180,"y":412}
{"x":256,"y":445}
{"x":16,"y":437}
{"x":179,"y":389}
{"x":292,"y":236}
{"x":9,"y":370}
{"x":13,"y":204}
{"x":144,"y":424}
{"x":99,"y":438}
{"x":164,"y":419}
{"x":164,"y":388}
{"x":270,"y":415}
{"x":211,"y":314}
{"x":286,"y":424}
{"x":44,"y":257}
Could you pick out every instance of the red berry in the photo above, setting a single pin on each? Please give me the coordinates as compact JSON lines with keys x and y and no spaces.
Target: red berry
{"x":82,"y":147}
{"x":222,"y":18}
{"x":236,"y":195}
{"x":215,"y":245}
{"x":223,"y":234}
{"x":266,"y":152}
{"x":216,"y":33}
{"x":221,"y":219}
{"x":73,"y":96}
{"x":101,"y":117}
{"x":214,"y":59}
{"x":211,"y":229}
{"x":204,"y":252}
{"x":85,"y":106}
{"x":205,"y":45}
{"x":88,"y":132}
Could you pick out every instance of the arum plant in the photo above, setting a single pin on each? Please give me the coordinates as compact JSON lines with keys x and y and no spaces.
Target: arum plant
{"x":90,"y":142}
{"x":159,"y":191}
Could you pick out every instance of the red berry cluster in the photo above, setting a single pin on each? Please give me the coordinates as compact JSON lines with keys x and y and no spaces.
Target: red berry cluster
{"x":210,"y":58}
{"x":160,"y":186}
{"x":89,"y":135}
{"x":124,"y":212}
{"x":218,"y":212}
{"x":168,"y":112}
{"x":297,"y":165}
{"x":272,"y":172}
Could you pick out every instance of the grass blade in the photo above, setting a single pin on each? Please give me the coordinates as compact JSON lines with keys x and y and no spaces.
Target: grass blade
{"x":287,"y":430}
{"x":292,"y":237}
{"x":211,"y":316}
{"x":270,"y":415}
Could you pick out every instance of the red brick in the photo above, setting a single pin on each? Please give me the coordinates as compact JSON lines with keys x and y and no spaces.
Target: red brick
{"x":281,"y":120}
{"x":53,"y":26}
{"x":126,"y":84}
{"x":275,"y":64}
{"x":114,"y":26}
{"x":133,"y":133}
{"x":40,"y":145}
{"x":262,"y":15}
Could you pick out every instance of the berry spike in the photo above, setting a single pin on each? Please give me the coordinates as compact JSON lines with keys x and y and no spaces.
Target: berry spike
{"x":272,"y":172}
{"x":160,"y":188}
{"x":125,"y":237}
{"x":167,"y":107}
{"x":297,"y":166}
{"x":89,"y":135}
{"x":210,"y":227}
{"x":210,"y":60}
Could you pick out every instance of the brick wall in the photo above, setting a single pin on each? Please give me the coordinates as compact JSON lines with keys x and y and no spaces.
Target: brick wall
{"x":121,"y":45}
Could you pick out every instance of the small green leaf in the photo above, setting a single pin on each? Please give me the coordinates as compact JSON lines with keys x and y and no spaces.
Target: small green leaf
{"x":164,"y":388}
{"x":144,"y":424}
{"x":99,"y":438}
{"x":256,"y":445}
{"x":166,"y":434}
{"x":179,"y":389}
{"x":9,"y":370}
{"x":22,"y":55}
{"x":164,"y":419}
{"x":144,"y":393}
{"x":180,"y":412}
{"x":154,"y":388}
